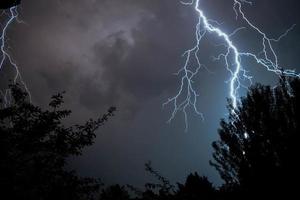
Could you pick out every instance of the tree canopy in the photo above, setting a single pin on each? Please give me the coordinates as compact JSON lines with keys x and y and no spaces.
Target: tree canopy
{"x":258,"y":147}
{"x":34,"y":146}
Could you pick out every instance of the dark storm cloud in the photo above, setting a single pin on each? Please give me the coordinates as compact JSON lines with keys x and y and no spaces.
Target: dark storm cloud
{"x":109,"y":49}
{"x":123,"y":53}
{"x":135,"y":68}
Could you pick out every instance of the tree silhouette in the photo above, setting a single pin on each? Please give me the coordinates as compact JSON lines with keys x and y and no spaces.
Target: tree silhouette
{"x":196,"y":187}
{"x":163,"y":190}
{"x":258,"y":148}
{"x":34,"y":146}
{"x":255,"y":156}
{"x":115,"y":192}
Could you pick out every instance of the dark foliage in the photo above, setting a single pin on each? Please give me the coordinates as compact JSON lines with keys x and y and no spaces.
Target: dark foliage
{"x":258,"y":150}
{"x":196,"y":187}
{"x":256,"y":155}
{"x":115,"y":192}
{"x":34,"y":146}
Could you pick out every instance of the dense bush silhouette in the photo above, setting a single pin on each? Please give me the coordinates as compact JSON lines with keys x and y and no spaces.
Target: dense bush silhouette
{"x":34,"y":146}
{"x":115,"y":192}
{"x":196,"y":187}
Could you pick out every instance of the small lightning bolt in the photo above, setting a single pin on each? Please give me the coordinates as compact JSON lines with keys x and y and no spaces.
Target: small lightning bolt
{"x":5,"y":57}
{"x":187,"y":96}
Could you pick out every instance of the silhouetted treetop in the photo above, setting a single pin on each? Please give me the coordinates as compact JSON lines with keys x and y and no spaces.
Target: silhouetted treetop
{"x":258,"y":147}
{"x":196,"y":187}
{"x":34,"y":146}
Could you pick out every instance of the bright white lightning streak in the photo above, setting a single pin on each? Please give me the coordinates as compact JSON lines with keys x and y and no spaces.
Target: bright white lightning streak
{"x":267,"y":58}
{"x":6,"y":57}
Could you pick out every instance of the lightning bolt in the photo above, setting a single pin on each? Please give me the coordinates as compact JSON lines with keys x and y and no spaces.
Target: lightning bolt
{"x":187,"y":96}
{"x":5,"y":57}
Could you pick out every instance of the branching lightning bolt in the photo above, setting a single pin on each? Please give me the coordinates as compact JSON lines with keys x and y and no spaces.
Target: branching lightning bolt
{"x":5,"y":57}
{"x":266,"y":58}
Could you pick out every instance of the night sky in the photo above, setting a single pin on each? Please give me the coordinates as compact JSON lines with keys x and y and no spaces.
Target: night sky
{"x":124,"y":53}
